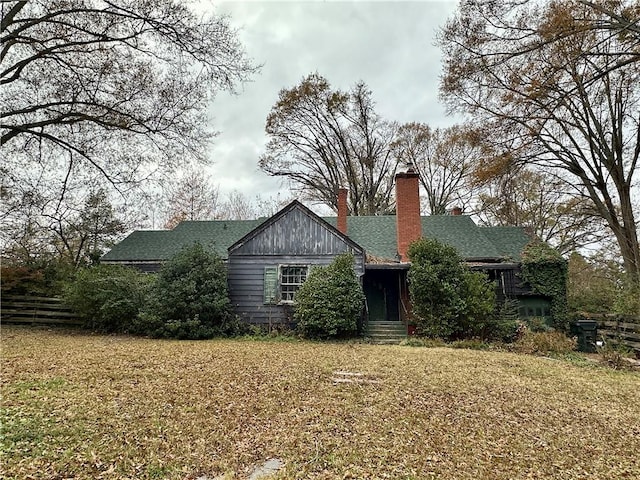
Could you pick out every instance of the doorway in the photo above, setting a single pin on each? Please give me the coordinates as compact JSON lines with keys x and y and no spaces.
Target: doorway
{"x":382,"y":291}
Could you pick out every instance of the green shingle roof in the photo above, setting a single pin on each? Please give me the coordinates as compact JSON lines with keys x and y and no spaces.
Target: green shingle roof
{"x":143,"y":245}
{"x":509,"y":241}
{"x":220,"y":234}
{"x":159,"y":245}
{"x":376,"y":234}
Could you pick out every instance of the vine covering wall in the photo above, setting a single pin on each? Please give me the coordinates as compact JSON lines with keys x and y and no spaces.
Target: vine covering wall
{"x":545,"y":270}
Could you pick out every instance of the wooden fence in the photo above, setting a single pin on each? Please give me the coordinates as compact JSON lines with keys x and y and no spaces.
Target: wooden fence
{"x":620,"y":328}
{"x":36,"y":310}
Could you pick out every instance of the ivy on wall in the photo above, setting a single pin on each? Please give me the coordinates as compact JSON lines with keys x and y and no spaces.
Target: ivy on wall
{"x":544,"y":269}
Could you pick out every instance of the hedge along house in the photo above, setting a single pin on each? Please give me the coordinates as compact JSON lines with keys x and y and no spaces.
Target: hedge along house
{"x":269,"y":259}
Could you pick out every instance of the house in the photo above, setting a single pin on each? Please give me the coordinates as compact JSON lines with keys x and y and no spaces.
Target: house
{"x":269,"y":259}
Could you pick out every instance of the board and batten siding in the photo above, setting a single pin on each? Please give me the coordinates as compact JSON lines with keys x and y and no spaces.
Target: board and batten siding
{"x":295,"y":238}
{"x":295,"y":234}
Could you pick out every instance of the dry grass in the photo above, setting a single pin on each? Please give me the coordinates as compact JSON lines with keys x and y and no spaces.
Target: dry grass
{"x":84,"y":407}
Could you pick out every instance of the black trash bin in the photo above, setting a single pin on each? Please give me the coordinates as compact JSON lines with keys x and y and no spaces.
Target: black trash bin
{"x":587,"y":333}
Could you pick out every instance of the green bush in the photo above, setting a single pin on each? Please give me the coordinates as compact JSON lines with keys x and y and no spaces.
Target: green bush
{"x":189,"y":298}
{"x":627,"y":300}
{"x":449,"y":300}
{"x":537,"y":324}
{"x":330,"y":302}
{"x":505,"y":324}
{"x":108,"y":297}
{"x":591,"y":284}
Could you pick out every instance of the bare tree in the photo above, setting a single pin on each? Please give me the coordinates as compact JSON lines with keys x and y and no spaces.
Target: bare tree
{"x":118,"y":87}
{"x":191,"y":197}
{"x":76,"y":229}
{"x":269,"y":206}
{"x":621,"y":18}
{"x":445,"y":159}
{"x":542,"y":203}
{"x":83,"y":236}
{"x":101,"y":94}
{"x":323,"y":139}
{"x":237,"y":207}
{"x":566,"y":98}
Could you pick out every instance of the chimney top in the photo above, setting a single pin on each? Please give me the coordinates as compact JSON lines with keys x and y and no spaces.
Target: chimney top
{"x":456,"y":211}
{"x":342,"y":209}
{"x":409,"y":173}
{"x":408,"y":221}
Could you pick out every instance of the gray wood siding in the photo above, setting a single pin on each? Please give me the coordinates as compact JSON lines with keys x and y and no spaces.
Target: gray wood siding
{"x":246,"y":284}
{"x":295,"y":236}
{"x":296,"y":233}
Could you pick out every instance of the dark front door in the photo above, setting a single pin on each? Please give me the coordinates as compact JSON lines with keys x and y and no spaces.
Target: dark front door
{"x":381,"y":287}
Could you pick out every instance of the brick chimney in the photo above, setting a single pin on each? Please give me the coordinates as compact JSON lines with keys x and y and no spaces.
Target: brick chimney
{"x":342,"y":210}
{"x":456,"y":211}
{"x":408,"y":222}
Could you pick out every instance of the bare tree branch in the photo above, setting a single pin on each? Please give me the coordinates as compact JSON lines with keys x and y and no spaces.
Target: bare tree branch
{"x":558,"y":82}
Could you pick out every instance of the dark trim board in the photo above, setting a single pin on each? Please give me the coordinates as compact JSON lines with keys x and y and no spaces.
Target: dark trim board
{"x":144,"y":266}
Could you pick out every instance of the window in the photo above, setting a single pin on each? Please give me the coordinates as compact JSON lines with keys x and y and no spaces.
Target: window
{"x":534,"y":307}
{"x":291,"y":277}
{"x":282,"y":282}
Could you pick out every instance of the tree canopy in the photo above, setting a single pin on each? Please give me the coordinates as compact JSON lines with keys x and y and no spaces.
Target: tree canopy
{"x":111,"y":84}
{"x":541,"y":202}
{"x":322,"y":139}
{"x":445,"y":159}
{"x":190,"y":196}
{"x":558,"y":83}
{"x":102,"y":95}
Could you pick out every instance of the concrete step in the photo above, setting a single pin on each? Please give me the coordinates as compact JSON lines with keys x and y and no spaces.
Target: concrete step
{"x":386,"y":332}
{"x":387,"y":327}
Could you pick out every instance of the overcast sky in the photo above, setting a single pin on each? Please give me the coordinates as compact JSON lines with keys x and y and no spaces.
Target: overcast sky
{"x":388,"y":45}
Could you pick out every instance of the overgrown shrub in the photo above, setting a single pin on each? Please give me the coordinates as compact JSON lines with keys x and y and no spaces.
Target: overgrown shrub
{"x":108,"y":297}
{"x":505,"y":324}
{"x":591,"y":284}
{"x":544,"y":343}
{"x":627,"y":300}
{"x":537,"y":324}
{"x":599,"y":284}
{"x":189,"y":298}
{"x":330,"y":302}
{"x":449,"y":300}
{"x":615,"y":354}
{"x":45,"y":278}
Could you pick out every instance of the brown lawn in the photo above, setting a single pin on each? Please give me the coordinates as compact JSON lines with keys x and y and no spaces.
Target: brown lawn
{"x":86,"y":406}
